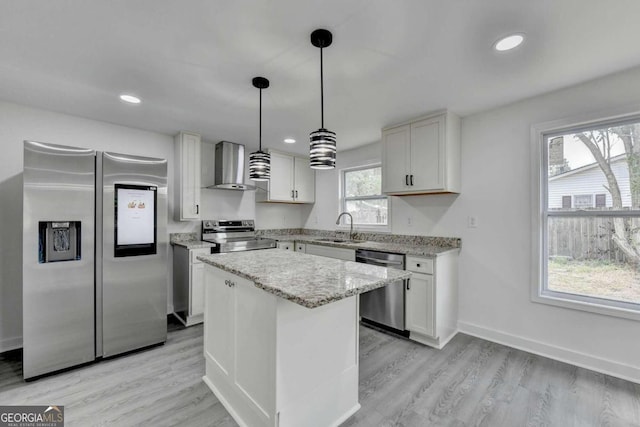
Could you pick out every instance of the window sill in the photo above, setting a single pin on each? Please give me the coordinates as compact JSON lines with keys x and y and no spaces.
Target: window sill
{"x":559,"y":300}
{"x":365,"y":228}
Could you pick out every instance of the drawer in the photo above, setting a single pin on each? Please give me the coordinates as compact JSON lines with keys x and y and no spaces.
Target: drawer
{"x":420,"y":265}
{"x":197,"y":252}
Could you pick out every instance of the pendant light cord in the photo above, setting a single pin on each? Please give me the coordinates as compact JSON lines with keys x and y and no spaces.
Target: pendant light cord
{"x":260,"y":126}
{"x":321,"y":92}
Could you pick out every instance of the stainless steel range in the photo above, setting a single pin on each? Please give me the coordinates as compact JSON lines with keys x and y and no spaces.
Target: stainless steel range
{"x":234,"y":235}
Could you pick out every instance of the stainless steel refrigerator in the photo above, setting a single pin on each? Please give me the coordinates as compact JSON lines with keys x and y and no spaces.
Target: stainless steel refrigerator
{"x":94,"y":255}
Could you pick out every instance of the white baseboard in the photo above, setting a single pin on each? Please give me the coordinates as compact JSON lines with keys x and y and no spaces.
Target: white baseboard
{"x":583,"y":360}
{"x":7,"y":344}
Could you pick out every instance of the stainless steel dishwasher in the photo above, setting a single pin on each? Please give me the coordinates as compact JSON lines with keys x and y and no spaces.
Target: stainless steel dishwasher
{"x":383,"y":307}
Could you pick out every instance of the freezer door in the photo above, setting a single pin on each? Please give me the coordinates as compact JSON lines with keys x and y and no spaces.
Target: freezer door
{"x":133,"y":282}
{"x":58,"y":257}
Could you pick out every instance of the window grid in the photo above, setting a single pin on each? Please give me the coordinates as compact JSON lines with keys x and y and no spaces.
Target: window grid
{"x":381,"y":214}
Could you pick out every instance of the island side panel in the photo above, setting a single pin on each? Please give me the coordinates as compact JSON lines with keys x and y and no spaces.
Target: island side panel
{"x":239,"y":347}
{"x":317,"y":363}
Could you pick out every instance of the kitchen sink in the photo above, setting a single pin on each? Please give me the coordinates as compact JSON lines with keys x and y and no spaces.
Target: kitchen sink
{"x":333,"y":240}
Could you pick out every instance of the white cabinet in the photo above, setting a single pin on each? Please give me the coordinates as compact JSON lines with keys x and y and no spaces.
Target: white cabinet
{"x":188,"y":284}
{"x":431,"y":299}
{"x":420,"y":308}
{"x":187,"y":176}
{"x":274,"y":362}
{"x":331,"y":252}
{"x":287,"y":246}
{"x":292,"y":180}
{"x":300,"y":247}
{"x":422,"y":156}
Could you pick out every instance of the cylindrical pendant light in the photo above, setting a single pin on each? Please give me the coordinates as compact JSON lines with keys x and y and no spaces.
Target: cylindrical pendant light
{"x":259,"y":161}
{"x":322,"y":142}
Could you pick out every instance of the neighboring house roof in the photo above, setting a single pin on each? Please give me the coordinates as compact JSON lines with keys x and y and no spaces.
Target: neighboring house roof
{"x":615,"y":159}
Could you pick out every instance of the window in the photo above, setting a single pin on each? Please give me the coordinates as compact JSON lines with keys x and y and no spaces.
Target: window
{"x":363,"y":198}
{"x":588,"y":251}
{"x":583,"y":201}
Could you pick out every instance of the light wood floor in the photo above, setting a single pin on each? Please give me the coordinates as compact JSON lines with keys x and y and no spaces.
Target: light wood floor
{"x":471,"y":382}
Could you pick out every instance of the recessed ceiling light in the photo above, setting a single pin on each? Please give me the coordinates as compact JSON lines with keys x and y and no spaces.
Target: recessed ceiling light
{"x":289,"y":140}
{"x":130,"y":99}
{"x":509,"y":42}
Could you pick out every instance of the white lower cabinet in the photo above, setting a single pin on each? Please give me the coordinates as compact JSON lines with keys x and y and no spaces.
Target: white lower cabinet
{"x":431,"y":299}
{"x":287,"y":246}
{"x":420,"y":309}
{"x":331,"y":252}
{"x":274,"y":363}
{"x":188,"y":284}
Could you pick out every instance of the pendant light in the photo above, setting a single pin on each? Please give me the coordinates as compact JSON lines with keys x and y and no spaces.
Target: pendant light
{"x":259,"y":161}
{"x":322,"y":142}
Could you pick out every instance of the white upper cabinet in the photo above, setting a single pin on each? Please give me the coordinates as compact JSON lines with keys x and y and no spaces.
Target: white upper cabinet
{"x":292,"y":180}
{"x":422,"y":156}
{"x":187,"y":173}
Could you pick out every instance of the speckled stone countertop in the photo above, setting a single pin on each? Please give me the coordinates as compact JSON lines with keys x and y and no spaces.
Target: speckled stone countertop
{"x":394,"y":247}
{"x":308,"y":280}
{"x":189,"y":241}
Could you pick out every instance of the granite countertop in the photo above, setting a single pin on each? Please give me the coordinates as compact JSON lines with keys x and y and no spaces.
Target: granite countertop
{"x":394,"y":247}
{"x":308,"y":280}
{"x":193,"y":244}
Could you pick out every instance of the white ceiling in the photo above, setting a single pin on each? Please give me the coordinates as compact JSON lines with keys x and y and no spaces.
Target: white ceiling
{"x":192,"y":61}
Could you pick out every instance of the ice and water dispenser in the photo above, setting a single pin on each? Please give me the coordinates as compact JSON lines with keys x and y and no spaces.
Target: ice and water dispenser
{"x":59,"y":241}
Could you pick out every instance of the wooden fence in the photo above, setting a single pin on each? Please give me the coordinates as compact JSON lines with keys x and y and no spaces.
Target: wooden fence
{"x":584,"y":238}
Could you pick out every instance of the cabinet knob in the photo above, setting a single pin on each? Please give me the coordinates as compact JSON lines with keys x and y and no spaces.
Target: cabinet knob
{"x":406,"y":180}
{"x":418,"y":265}
{"x":408,"y":284}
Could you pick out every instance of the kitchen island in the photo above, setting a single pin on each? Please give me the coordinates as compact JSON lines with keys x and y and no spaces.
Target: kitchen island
{"x":281,"y":335}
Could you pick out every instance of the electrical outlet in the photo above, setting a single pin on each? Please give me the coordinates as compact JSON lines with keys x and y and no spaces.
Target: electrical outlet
{"x":409,"y":221}
{"x":472,"y":221}
{"x":284,"y":220}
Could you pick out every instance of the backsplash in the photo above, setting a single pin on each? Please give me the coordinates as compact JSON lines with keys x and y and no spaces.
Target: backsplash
{"x":452,"y":242}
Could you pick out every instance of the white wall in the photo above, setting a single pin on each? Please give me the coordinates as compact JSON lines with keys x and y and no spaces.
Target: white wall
{"x":495,"y":259}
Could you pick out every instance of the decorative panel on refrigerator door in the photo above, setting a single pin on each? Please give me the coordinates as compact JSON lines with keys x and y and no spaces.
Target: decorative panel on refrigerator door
{"x":134,"y":251}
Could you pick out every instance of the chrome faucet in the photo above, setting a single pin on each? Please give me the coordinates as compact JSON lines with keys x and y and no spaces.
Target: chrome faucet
{"x":350,"y":224}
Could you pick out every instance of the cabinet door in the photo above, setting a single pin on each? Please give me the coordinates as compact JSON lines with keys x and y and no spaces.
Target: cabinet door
{"x":304,"y":181}
{"x":197,"y":289}
{"x":287,"y":246}
{"x":427,"y":154}
{"x":281,"y":182}
{"x":189,"y":146}
{"x":420,"y":299}
{"x":300,"y":247}
{"x":219,"y":321}
{"x":395,"y":159}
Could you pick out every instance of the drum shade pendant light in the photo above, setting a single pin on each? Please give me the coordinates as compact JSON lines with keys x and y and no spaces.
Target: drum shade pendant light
{"x":322,"y":144}
{"x":259,"y":161}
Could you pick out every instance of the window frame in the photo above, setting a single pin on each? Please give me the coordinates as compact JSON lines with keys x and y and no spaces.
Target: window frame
{"x":540,"y":213}
{"x":342,"y":205}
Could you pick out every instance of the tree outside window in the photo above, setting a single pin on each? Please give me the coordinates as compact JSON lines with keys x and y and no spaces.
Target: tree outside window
{"x":363,"y":198}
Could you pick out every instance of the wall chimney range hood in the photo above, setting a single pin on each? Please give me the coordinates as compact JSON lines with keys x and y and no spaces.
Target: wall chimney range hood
{"x":229,"y":167}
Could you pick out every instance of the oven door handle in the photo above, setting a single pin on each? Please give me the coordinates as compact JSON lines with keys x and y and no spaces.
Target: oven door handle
{"x":377,"y":261}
